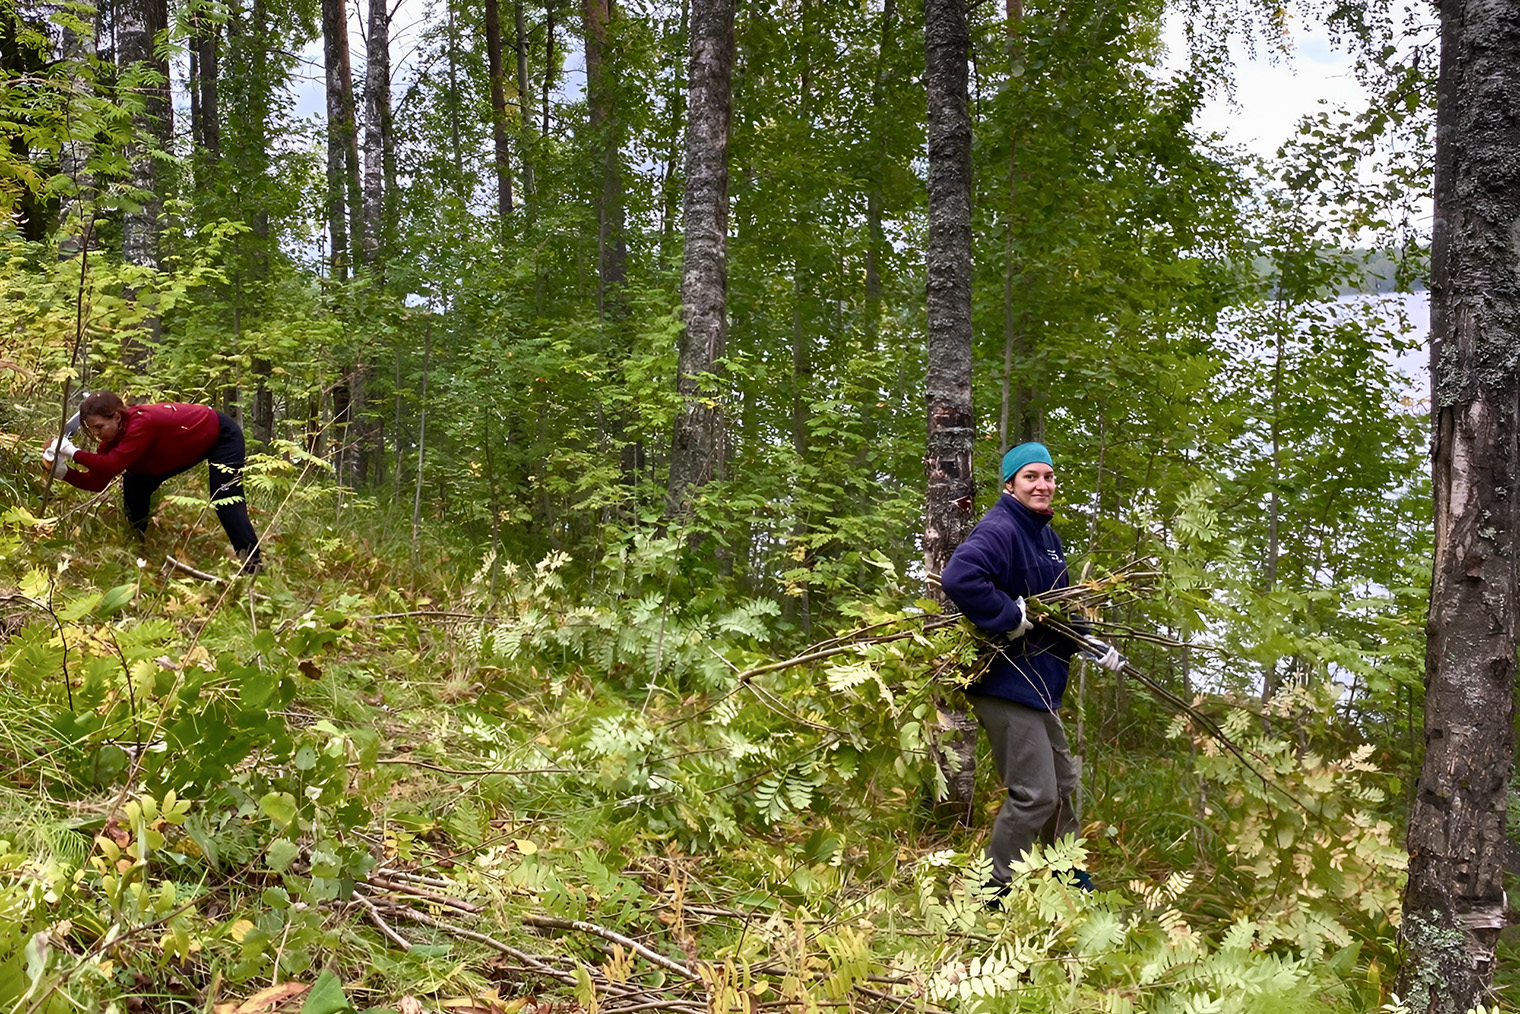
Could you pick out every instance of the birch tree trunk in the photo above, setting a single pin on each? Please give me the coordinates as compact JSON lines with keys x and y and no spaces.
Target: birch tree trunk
{"x":697,"y":446}
{"x":377,"y":129}
{"x":349,"y":125}
{"x":948,"y":516}
{"x":525,"y":122}
{"x":498,"y":72}
{"x":548,"y":82}
{"x":1454,"y":902}
{"x":334,"y":41}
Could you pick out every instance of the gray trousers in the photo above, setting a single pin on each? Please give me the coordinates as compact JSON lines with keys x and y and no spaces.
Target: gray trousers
{"x":1035,"y":766}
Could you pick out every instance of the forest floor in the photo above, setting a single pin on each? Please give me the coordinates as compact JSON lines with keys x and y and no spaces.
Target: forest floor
{"x":355,"y":784}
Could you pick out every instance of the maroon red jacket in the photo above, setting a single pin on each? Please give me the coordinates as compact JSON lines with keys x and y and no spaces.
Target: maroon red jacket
{"x":153,"y":440}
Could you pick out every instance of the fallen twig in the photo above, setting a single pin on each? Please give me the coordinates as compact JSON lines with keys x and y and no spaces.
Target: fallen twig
{"x":470,"y":772}
{"x":383,"y":926}
{"x":665,"y":1004}
{"x":178,"y":565}
{"x":25,"y":600}
{"x":425,"y":895}
{"x":440,"y":614}
{"x":652,"y":956}
{"x":418,"y":878}
{"x":210,"y":578}
{"x":481,"y":938}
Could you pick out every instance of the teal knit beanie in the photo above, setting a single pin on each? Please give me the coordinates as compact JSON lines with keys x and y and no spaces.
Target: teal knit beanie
{"x":1024,"y":454}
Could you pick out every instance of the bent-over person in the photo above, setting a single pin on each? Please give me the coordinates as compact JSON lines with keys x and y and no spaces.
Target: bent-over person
{"x":148,"y":444}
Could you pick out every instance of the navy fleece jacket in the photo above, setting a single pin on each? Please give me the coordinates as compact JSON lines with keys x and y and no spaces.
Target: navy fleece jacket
{"x":1012,"y":551}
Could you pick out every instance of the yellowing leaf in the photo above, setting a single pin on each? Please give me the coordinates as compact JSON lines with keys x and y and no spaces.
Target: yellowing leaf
{"x":275,"y":998}
{"x":525,"y":846}
{"x":240,"y":929}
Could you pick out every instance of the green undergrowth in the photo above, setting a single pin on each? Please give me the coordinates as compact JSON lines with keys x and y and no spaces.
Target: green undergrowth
{"x":486,"y":780}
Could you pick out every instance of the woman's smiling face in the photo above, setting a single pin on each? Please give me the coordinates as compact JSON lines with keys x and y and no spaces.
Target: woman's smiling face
{"x":1034,"y":486}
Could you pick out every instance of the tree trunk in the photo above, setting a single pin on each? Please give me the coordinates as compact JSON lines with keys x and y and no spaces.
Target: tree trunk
{"x":876,"y":240}
{"x":1271,"y":679}
{"x":498,"y":71}
{"x":461,"y":190}
{"x":951,"y":488}
{"x":601,"y":99}
{"x":350,"y":128}
{"x":525,"y":131}
{"x":1454,"y":902}
{"x":548,"y":81}
{"x":876,"y":243}
{"x":427,"y":369}
{"x":238,"y":152}
{"x":1018,"y":396}
{"x":697,"y":446}
{"x":205,"y":112}
{"x":334,"y":41}
{"x":138,"y":22}
{"x":377,"y":129}
{"x":76,"y":207}
{"x":802,"y":345}
{"x":31,"y":213}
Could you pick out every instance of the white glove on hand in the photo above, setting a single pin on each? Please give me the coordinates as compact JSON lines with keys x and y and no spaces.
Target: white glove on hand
{"x":60,"y":462}
{"x":65,"y":449}
{"x":1106,"y":655}
{"x":1025,"y":623}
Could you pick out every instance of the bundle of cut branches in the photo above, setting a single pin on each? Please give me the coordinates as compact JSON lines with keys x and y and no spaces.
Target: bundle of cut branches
{"x":1074,"y":612}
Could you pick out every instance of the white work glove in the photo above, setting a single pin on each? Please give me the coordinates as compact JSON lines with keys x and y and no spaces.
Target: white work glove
{"x":65,"y":449}
{"x":60,"y":457}
{"x":1105,"y":655}
{"x":1025,"y":623}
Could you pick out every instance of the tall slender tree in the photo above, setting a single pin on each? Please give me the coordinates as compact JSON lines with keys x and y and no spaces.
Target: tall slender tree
{"x":1017,"y":397}
{"x":876,"y":242}
{"x":378,"y":141}
{"x":606,"y":135}
{"x":548,"y":81}
{"x":75,"y":210}
{"x":675,"y":110}
{"x":335,"y":60}
{"x":525,"y":122}
{"x":951,"y":487}
{"x":697,"y":447}
{"x":138,"y":24}
{"x":205,"y":110}
{"x":1454,"y":906}
{"x":498,"y":71}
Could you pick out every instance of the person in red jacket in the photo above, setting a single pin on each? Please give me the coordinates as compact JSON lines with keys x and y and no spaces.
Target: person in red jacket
{"x":147,"y":444}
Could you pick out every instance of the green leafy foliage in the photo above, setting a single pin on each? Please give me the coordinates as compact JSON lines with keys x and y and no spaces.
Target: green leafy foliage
{"x":486,"y":667}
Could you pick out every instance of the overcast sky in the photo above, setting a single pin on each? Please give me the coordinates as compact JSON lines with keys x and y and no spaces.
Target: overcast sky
{"x":1271,"y":95}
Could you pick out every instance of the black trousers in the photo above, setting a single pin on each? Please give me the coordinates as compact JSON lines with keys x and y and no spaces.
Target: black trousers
{"x":224,"y":462}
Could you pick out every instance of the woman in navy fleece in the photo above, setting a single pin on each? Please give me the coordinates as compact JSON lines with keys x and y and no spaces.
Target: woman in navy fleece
{"x":1013,"y":552}
{"x":146,"y":444}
